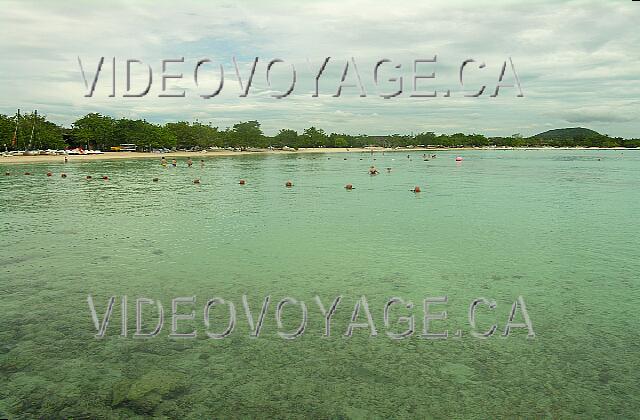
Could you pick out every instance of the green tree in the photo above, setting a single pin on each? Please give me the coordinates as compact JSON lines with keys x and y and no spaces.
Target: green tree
{"x":314,"y":137}
{"x":36,"y":132}
{"x":95,"y":131}
{"x":247,"y":134}
{"x":286,"y":137}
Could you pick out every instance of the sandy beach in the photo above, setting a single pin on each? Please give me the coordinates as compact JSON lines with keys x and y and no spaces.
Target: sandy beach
{"x":193,"y":155}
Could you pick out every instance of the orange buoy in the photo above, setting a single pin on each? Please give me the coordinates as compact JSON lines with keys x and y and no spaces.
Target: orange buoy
{"x":196,"y":181}
{"x":348,"y":187}
{"x":49,"y":174}
{"x":288,"y":184}
{"x":63,"y":175}
{"x":242,"y":182}
{"x":106,"y":178}
{"x":88,"y":177}
{"x":459,"y":159}
{"x":155,"y":179}
{"x":416,"y":189}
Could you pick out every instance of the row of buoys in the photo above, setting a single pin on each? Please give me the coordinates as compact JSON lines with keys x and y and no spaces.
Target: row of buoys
{"x":372,"y":171}
{"x":62,"y":175}
{"x":287,"y":184}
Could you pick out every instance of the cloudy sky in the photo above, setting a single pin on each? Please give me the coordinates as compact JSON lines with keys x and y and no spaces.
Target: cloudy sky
{"x":578,"y":63}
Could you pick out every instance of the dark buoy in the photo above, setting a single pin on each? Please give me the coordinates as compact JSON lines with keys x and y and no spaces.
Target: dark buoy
{"x":348,"y":187}
{"x":196,"y":181}
{"x":7,"y":173}
{"x":49,"y":174}
{"x":106,"y":178}
{"x":27,"y":173}
{"x":288,"y":184}
{"x":242,"y":182}
{"x":88,"y":177}
{"x":155,"y":179}
{"x":416,"y":189}
{"x":63,"y":175}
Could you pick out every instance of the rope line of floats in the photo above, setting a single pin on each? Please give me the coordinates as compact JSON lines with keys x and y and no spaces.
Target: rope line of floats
{"x":288,"y":184}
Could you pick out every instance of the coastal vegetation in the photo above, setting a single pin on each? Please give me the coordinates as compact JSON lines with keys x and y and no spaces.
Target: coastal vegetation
{"x":98,"y":131}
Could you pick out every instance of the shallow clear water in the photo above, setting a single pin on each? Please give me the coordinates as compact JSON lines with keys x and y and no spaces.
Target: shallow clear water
{"x":558,"y":228}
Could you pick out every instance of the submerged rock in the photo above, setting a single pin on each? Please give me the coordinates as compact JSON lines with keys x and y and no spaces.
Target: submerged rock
{"x":146,"y":393}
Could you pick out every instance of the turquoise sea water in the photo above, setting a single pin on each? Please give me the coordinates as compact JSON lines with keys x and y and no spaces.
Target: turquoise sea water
{"x":559,"y":228}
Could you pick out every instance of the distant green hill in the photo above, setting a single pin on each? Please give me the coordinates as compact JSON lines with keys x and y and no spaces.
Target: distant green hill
{"x":567,"y":133}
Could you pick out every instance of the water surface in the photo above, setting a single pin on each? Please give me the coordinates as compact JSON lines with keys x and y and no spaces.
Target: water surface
{"x":556,"y":227}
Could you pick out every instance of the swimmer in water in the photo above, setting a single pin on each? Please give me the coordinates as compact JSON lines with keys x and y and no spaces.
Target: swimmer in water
{"x":174,"y":162}
{"x":389,"y":170}
{"x":202,"y":163}
{"x":373,"y":170}
{"x":189,"y":162}
{"x":66,"y":159}
{"x":163,"y":161}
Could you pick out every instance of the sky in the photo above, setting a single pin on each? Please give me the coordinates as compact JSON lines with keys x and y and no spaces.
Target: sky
{"x":577,"y":63}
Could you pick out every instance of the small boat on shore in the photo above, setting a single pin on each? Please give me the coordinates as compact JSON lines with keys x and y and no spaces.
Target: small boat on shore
{"x":81,"y":151}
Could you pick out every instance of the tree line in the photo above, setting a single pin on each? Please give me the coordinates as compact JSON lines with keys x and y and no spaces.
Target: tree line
{"x":102,"y":132}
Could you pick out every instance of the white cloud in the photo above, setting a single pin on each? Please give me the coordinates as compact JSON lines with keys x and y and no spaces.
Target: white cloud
{"x":577,"y":61}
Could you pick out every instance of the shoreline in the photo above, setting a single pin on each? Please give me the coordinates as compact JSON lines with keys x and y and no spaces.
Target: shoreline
{"x":198,"y":155}
{"x":210,"y":154}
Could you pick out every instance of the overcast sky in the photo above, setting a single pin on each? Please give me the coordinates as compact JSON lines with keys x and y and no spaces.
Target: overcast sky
{"x":578,"y":63}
